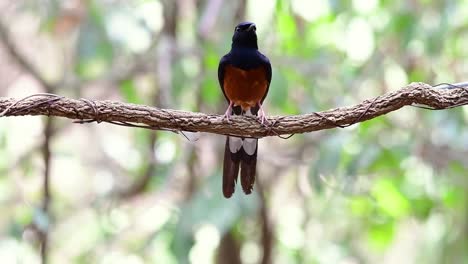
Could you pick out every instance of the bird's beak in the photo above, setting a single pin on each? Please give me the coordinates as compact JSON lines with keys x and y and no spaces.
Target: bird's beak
{"x":251,"y":27}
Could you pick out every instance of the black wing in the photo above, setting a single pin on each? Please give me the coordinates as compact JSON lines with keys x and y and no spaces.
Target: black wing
{"x":225,"y":60}
{"x":267,"y":65}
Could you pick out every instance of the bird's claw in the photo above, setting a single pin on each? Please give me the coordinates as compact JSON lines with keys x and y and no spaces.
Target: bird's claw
{"x":227,"y":114}
{"x":262,"y":117}
{"x":227,"y":117}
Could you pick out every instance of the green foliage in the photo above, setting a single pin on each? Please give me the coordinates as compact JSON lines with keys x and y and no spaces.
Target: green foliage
{"x":129,"y":92}
{"x":381,"y":234}
{"x":94,"y":52}
{"x":390,"y":200}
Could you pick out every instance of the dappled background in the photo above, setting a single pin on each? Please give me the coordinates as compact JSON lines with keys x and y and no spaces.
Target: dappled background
{"x":389,"y":190}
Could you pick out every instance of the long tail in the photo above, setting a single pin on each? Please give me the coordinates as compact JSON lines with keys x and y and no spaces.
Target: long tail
{"x":239,"y":152}
{"x":248,"y":164}
{"x":230,"y":170}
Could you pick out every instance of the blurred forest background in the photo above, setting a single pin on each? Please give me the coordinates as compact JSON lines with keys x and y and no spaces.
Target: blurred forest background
{"x":390,"y":190}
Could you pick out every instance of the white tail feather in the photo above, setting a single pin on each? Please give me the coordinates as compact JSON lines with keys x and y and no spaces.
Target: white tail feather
{"x":249,"y":145}
{"x":235,"y":144}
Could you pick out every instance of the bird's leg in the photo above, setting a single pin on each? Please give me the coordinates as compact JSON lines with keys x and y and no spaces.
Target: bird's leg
{"x":261,"y":114}
{"x":228,"y":112}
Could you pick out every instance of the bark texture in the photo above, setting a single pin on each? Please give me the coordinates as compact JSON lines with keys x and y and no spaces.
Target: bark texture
{"x":84,"y":110}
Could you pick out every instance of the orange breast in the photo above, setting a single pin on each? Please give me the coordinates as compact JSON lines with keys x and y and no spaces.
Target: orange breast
{"x":245,"y":88}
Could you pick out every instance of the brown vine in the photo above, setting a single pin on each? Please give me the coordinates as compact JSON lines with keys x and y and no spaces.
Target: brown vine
{"x":85,"y":111}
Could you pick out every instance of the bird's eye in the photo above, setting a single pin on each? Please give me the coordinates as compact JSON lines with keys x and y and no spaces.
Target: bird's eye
{"x":237,"y":28}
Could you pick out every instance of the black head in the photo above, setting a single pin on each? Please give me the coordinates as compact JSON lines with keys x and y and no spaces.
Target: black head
{"x":245,"y":35}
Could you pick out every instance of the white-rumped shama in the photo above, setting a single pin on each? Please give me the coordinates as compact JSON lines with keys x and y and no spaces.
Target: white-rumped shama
{"x":244,"y":75}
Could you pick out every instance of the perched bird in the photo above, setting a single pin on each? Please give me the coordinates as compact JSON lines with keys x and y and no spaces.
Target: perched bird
{"x":244,"y":75}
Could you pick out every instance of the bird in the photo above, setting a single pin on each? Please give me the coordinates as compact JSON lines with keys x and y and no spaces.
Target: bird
{"x":244,"y":75}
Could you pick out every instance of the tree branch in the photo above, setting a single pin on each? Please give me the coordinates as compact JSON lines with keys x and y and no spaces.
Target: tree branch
{"x":175,"y":120}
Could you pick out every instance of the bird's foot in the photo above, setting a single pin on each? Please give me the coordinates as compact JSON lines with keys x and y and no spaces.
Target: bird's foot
{"x":228,"y":113}
{"x":261,"y":116}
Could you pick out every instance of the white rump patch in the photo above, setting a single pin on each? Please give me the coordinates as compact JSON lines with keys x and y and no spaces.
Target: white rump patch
{"x":235,"y":144}
{"x":249,"y":112}
{"x":250,"y":145}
